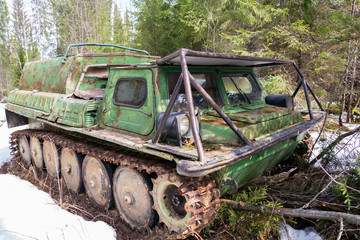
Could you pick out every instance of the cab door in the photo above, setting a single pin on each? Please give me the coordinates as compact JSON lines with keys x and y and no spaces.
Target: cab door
{"x":129,"y":101}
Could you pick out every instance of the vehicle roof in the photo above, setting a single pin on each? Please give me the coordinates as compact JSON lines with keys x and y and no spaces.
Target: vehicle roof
{"x":199,"y":58}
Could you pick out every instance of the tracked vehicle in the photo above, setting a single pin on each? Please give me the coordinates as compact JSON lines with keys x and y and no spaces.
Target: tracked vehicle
{"x":160,"y":139}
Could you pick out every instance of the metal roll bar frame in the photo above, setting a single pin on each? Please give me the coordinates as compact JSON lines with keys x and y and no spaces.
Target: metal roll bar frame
{"x":188,"y":80}
{"x":63,"y":60}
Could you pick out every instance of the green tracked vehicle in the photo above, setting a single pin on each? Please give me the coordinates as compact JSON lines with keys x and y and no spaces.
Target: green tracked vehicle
{"x":160,"y":139}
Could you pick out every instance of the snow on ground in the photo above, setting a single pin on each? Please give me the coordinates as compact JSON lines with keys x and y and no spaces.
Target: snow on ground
{"x":4,"y":136}
{"x":348,"y":150}
{"x":28,"y":213}
{"x":307,"y":233}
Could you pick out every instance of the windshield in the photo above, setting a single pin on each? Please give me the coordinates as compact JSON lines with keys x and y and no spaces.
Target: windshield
{"x":207,"y":80}
{"x":241,"y":87}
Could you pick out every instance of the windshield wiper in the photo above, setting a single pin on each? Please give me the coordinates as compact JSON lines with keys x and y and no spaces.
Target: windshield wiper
{"x":240,"y":91}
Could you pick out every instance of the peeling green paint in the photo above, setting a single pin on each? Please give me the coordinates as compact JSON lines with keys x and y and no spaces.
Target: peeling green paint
{"x":47,"y":95}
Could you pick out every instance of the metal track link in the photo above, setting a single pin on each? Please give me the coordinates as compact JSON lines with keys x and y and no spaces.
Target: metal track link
{"x":203,"y":197}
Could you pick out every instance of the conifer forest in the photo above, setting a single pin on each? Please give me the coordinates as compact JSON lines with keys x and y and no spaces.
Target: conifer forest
{"x":321,"y":36}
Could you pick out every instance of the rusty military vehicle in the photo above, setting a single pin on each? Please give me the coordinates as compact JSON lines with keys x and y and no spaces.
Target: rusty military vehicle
{"x":160,"y":139}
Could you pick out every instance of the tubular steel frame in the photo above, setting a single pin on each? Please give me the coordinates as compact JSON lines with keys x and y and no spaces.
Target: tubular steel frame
{"x":63,"y":60}
{"x":188,"y":80}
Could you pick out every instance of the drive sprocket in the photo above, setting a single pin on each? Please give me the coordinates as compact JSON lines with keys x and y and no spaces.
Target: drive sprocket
{"x":168,"y":203}
{"x":185,"y":205}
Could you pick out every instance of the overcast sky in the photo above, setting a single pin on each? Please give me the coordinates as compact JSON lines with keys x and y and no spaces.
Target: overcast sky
{"x":123,"y":4}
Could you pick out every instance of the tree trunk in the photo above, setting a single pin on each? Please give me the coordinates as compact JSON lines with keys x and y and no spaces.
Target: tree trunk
{"x":349,"y":116}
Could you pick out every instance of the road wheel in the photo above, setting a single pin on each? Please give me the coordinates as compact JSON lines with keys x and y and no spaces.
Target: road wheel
{"x":97,"y":177}
{"x":24,"y":149}
{"x":132,"y":197}
{"x":71,"y":169}
{"x":51,"y":158}
{"x":36,"y":152}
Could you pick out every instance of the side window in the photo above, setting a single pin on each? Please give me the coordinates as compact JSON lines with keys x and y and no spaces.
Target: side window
{"x":130,"y":92}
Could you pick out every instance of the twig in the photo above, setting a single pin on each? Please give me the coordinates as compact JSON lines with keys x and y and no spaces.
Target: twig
{"x":34,"y":173}
{"x":286,"y":228}
{"x":341,"y":229}
{"x":315,"y":197}
{"x":197,"y":236}
{"x":27,"y":236}
{"x":337,"y":181}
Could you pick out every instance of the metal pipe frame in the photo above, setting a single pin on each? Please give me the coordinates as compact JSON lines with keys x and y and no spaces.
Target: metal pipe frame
{"x":168,"y":109}
{"x":189,"y":80}
{"x":306,"y":86}
{"x":63,"y":60}
{"x":189,"y":98}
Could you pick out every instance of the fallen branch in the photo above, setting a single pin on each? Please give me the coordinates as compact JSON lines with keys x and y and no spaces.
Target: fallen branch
{"x":315,"y":214}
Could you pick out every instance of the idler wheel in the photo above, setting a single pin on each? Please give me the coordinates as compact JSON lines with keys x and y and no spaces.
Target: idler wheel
{"x":51,"y":158}
{"x":24,"y":150}
{"x":36,"y":152}
{"x":168,"y":203}
{"x":97,"y":177}
{"x":71,"y":169}
{"x":132,"y":197}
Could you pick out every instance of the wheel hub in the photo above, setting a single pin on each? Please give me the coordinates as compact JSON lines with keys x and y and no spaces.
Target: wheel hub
{"x":176,"y":201}
{"x":51,"y":158}
{"x":68,"y":169}
{"x":36,"y":152}
{"x":129,"y":199}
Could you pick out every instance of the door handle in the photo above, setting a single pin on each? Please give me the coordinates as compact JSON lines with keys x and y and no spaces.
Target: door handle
{"x":147,"y":114}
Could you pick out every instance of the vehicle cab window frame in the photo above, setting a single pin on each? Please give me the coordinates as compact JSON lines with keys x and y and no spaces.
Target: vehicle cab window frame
{"x":211,"y":86}
{"x":118,"y":101}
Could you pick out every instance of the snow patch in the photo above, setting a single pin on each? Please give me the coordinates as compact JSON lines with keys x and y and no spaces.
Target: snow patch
{"x":306,"y":234}
{"x":27,"y":213}
{"x":4,"y":136}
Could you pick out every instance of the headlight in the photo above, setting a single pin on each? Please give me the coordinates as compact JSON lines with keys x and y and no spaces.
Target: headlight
{"x":177,"y":127}
{"x":184,"y":123}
